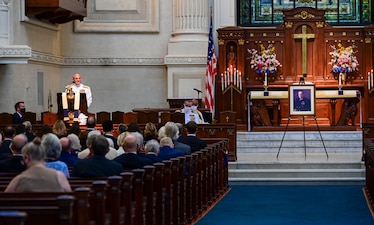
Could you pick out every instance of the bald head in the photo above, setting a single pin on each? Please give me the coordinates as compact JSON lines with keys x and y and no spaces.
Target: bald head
{"x":18,"y":142}
{"x":77,"y":79}
{"x":130,"y":143}
{"x":65,"y":144}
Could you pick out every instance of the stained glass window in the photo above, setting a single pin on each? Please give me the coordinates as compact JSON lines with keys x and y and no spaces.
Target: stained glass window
{"x":270,"y":12}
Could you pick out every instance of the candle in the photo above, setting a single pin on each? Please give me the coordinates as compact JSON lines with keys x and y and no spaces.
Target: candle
{"x":368,"y":81}
{"x":222,"y":82}
{"x":266,"y":79}
{"x":340,"y":79}
{"x":236,"y":77}
{"x":240,"y":80}
{"x":371,"y":79}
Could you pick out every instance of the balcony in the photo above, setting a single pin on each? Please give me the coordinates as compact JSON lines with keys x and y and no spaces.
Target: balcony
{"x":57,"y":11}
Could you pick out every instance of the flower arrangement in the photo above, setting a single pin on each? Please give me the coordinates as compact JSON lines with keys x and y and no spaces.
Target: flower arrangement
{"x":343,"y":59}
{"x":265,"y":60}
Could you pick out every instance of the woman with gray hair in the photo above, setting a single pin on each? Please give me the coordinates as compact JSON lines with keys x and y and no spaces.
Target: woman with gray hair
{"x":172,"y":131}
{"x":52,"y":148}
{"x":37,"y":177}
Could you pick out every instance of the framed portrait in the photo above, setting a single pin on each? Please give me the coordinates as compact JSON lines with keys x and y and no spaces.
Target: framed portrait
{"x":302,"y":100}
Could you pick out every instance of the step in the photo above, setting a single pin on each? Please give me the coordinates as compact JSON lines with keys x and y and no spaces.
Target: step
{"x":295,"y":141}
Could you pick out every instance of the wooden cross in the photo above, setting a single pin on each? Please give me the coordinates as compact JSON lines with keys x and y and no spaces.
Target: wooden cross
{"x":304,"y":38}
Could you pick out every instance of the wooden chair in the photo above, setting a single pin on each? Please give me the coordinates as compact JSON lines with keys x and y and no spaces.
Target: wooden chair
{"x":49,"y":118}
{"x":165,"y":117}
{"x":118,"y":117}
{"x":102,"y":116}
{"x":6,"y":118}
{"x":30,"y":116}
{"x":143,"y":117}
{"x":153,"y":117}
{"x":177,"y":117}
{"x":130,"y":117}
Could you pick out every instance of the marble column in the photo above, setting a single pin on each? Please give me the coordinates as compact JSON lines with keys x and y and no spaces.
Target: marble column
{"x":187,"y":48}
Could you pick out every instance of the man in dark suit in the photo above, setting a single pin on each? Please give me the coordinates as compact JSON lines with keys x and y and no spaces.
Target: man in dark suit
{"x":152,"y":148}
{"x":131,"y":160}
{"x":97,"y":165}
{"x":194,"y":142}
{"x":108,"y":132}
{"x":5,"y":151}
{"x":15,"y":164}
{"x":20,"y":111}
{"x":66,"y":150}
{"x":28,"y":130}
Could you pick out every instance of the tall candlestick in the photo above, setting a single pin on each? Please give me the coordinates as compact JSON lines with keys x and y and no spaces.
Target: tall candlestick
{"x":340,"y":79}
{"x":240,"y":80}
{"x":369,"y":81}
{"x":266,"y":79}
{"x":222,"y":82}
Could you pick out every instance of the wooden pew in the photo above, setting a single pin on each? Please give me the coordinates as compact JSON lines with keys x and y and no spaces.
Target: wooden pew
{"x":53,"y":208}
{"x":176,"y":191}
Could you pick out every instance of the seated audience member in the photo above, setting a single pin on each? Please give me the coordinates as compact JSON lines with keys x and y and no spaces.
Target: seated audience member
{"x":91,"y":123}
{"x":167,"y":150}
{"x":133,"y":127}
{"x":122,"y":128}
{"x":20,"y":129}
{"x":172,"y":131}
{"x":112,"y":153}
{"x":131,"y":160}
{"x":194,"y":142}
{"x":180,"y":130}
{"x":75,"y":129}
{"x":28,"y":131}
{"x":97,"y":165}
{"x":66,"y":150}
{"x":120,"y":142}
{"x":15,"y":164}
{"x":86,"y":153}
{"x":75,"y":144}
{"x":52,"y":147}
{"x":46,"y":129}
{"x":108,"y":132}
{"x":161,"y":133}
{"x":5,"y":151}
{"x":152,"y":149}
{"x":150,"y":132}
{"x":59,"y":129}
{"x":37,"y":177}
{"x":140,"y":142}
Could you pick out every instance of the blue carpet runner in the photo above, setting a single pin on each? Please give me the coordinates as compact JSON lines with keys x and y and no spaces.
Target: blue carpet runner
{"x":291,"y":205}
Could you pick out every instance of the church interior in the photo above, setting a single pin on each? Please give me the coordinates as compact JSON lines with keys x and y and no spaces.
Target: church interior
{"x":282,"y":66}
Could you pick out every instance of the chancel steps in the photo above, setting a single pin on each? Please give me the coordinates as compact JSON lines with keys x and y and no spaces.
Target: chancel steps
{"x":263,"y":157}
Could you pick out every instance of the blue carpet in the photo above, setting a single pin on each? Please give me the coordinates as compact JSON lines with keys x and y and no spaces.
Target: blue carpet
{"x":288,"y":205}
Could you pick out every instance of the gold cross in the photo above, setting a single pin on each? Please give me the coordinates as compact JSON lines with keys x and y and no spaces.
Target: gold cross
{"x":304,"y":38}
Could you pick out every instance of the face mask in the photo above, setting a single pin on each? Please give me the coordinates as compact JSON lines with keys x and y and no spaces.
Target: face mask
{"x":194,"y":107}
{"x":23,"y":110}
{"x":187,"y":110}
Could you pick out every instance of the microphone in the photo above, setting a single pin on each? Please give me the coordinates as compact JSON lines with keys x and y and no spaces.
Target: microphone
{"x":195,"y":89}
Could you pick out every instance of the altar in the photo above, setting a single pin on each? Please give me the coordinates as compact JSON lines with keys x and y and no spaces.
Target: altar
{"x":304,"y":47}
{"x":259,"y":114}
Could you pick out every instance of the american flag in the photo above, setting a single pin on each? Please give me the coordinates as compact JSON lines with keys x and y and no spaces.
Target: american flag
{"x":211,"y":72}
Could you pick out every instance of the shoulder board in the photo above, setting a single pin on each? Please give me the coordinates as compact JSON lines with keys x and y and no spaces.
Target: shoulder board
{"x":85,"y":86}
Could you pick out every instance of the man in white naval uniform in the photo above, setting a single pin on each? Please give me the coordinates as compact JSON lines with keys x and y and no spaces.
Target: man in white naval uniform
{"x":78,"y":87}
